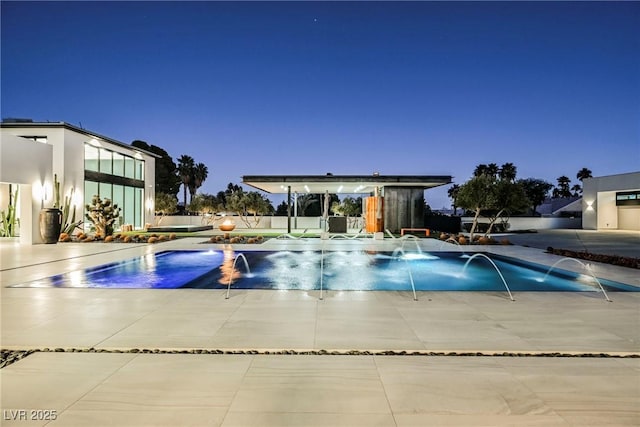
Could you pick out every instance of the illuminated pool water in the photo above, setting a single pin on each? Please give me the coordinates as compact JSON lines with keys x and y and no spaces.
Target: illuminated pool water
{"x":341,"y":270}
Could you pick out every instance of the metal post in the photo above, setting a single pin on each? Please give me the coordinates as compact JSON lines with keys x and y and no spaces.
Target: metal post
{"x":295,"y":210}
{"x":289,"y":209}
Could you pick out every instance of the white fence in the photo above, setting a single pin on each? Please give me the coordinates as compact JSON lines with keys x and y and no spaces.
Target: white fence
{"x":268,"y":222}
{"x":537,"y":223}
{"x":315,"y":222}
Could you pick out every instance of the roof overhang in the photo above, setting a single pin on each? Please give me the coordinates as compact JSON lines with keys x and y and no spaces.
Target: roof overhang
{"x":64,"y":125}
{"x":340,"y":184}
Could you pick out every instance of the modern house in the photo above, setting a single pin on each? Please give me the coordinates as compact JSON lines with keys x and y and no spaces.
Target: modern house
{"x":611,"y":202}
{"x":85,"y":163}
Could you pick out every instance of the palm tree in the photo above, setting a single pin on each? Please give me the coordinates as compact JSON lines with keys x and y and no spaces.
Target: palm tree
{"x":562,"y":189}
{"x":453,"y":195}
{"x":583,"y":174}
{"x":200,"y":173}
{"x":508,"y":172}
{"x":576,"y":190}
{"x":304,"y":203}
{"x":480,"y":170}
{"x":185,"y":170}
{"x":491,"y":170}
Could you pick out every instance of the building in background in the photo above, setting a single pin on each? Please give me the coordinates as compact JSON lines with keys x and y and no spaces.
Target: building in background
{"x":91,"y":164}
{"x":611,"y":202}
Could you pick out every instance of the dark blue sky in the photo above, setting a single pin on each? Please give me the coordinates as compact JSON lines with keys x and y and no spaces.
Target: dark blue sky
{"x":431,"y":88}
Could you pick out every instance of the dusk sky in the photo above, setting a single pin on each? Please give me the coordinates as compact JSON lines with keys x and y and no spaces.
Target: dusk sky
{"x":424,"y":88}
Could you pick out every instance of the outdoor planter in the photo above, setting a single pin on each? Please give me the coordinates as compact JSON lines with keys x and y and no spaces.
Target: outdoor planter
{"x":50,"y":224}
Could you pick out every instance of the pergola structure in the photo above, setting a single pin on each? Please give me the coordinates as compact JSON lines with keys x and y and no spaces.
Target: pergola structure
{"x":404,"y":194}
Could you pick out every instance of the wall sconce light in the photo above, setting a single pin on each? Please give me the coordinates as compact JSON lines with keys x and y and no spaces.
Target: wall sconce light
{"x":77,"y":199}
{"x":590,"y":205}
{"x":37,"y":192}
{"x":41,"y":191}
{"x":149,"y":204}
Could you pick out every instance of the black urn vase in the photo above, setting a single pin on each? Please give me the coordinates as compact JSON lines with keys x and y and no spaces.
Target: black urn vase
{"x":50,"y":224}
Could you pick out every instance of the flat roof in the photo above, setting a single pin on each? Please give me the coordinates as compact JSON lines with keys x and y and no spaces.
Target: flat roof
{"x":65,"y":125}
{"x":340,"y":184}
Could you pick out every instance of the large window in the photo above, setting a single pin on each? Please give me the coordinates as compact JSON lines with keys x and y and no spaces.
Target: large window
{"x":118,"y":177}
{"x":128,"y":167}
{"x":42,"y":139}
{"x":628,"y":198}
{"x":130,"y":200}
{"x":118,"y":196}
{"x":106,"y":161}
{"x":109,"y":162}
{"x":118,"y":164}
{"x":90,"y":190}
{"x":91,"y":158}
{"x":139,"y":169}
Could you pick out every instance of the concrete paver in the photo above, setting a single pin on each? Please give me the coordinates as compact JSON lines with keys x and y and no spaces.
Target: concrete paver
{"x":134,"y":389}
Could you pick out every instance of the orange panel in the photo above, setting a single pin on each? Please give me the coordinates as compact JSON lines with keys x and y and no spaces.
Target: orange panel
{"x":374,"y":220}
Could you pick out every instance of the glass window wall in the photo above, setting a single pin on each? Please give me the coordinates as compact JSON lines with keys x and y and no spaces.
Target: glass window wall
{"x":90,"y":190}
{"x":106,"y":161}
{"x":129,"y":171}
{"x":129,"y":206}
{"x":139,"y":207}
{"x":130,"y":200}
{"x":112,"y":163}
{"x":113,"y":168}
{"x":118,"y":164}
{"x":91,"y":156}
{"x":139,"y":174}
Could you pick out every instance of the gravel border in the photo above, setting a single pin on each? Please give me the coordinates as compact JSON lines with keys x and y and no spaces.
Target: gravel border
{"x":7,"y":357}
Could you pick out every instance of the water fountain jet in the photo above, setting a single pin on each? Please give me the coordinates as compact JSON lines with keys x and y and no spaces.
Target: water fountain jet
{"x":585,"y":266}
{"x":494,"y":266}
{"x":394,"y":255}
{"x":233,"y":268}
{"x":452,"y":240}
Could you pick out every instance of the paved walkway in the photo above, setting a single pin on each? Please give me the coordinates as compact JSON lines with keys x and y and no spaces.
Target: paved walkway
{"x":452,"y":379}
{"x":622,"y":243}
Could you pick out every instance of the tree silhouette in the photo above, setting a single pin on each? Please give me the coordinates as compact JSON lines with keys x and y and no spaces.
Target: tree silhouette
{"x":452,"y":192}
{"x":562,"y":190}
{"x":583,"y":174}
{"x":186,"y":165}
{"x":536,"y":190}
{"x":490,"y":170}
{"x":199,"y":174}
{"x":508,"y":172}
{"x":167,"y":179}
{"x":576,"y":190}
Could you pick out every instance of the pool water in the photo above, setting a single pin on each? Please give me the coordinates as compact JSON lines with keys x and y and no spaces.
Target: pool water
{"x":341,"y":270}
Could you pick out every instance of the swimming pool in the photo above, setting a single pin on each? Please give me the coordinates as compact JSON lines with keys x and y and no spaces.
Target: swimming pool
{"x":341,"y":270}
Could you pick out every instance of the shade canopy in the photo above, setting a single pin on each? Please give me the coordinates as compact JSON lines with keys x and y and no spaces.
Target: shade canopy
{"x":340,"y":184}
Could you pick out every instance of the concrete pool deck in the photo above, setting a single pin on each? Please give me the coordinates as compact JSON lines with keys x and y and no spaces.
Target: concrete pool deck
{"x":452,"y":379}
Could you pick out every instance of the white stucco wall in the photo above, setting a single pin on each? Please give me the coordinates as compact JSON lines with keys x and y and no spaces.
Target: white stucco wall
{"x":28,"y":164}
{"x":599,"y":210}
{"x":266,"y":222}
{"x":518,"y":223}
